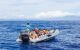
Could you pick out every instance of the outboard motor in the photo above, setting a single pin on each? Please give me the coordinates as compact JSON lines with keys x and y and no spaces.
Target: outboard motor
{"x":24,"y":37}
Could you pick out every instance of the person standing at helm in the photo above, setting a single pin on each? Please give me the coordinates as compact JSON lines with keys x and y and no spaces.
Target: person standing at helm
{"x":28,"y":27}
{"x":25,"y":32}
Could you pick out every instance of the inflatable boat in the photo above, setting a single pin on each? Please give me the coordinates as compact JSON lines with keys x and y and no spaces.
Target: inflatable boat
{"x":26,"y":38}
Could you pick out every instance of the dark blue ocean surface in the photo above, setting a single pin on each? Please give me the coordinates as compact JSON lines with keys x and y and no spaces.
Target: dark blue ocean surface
{"x":67,"y":39}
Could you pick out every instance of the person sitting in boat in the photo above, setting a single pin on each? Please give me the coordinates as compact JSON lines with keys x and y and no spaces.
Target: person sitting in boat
{"x":41,"y":33}
{"x":36,"y":30}
{"x":33,"y":35}
{"x":45,"y":31}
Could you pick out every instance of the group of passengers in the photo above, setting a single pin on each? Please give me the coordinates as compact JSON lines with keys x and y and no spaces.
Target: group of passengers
{"x":36,"y":33}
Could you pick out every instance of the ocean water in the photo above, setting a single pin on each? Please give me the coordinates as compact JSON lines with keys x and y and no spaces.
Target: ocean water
{"x":67,"y":39}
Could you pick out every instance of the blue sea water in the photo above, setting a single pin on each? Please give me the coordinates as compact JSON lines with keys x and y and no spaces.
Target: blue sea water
{"x":67,"y":39}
